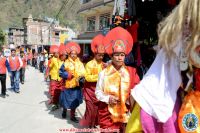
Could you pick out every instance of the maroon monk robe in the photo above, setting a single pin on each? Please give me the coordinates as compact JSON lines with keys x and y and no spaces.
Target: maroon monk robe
{"x":91,"y":106}
{"x":60,"y":86}
{"x":105,"y":120}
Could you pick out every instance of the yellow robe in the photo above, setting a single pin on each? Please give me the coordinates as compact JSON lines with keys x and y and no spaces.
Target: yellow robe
{"x":77,"y":69}
{"x":92,"y":70}
{"x":54,"y":68}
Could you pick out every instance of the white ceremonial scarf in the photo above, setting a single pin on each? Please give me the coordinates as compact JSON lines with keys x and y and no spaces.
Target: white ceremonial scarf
{"x":156,"y":93}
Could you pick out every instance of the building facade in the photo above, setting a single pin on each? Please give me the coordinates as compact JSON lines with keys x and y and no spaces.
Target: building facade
{"x":16,"y":36}
{"x":36,"y":31}
{"x":97,"y":16}
{"x":39,"y":33}
{"x":58,"y":35}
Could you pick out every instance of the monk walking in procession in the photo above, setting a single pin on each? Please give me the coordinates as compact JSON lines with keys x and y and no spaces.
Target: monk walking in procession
{"x":115,"y":81}
{"x":73,"y":72}
{"x":58,"y":83}
{"x":53,"y":71}
{"x":93,"y":68}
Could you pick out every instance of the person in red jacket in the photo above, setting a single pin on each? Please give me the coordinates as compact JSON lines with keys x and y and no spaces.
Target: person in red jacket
{"x":23,"y":68}
{"x":15,"y":65}
{"x":3,"y":66}
{"x":30,"y":56}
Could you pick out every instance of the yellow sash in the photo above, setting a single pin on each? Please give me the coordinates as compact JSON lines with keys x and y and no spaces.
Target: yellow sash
{"x":76,"y":68}
{"x":116,"y":83}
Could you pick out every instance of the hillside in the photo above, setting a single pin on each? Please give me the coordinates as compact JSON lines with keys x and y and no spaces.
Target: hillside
{"x":12,"y":11}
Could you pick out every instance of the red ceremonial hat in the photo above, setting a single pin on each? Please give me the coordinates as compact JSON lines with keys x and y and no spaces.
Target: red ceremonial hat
{"x":118,"y":40}
{"x":97,"y":44}
{"x":54,"y":49}
{"x":73,"y":46}
{"x":62,"y":49}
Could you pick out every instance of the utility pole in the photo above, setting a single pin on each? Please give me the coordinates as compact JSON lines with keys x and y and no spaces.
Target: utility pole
{"x":41,"y":37}
{"x":49,"y":37}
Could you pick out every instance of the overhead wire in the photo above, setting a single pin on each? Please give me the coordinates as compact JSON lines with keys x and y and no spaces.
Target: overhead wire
{"x":57,"y":15}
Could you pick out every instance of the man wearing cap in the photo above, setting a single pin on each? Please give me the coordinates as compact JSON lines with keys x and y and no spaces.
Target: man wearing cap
{"x":73,"y":72}
{"x":93,"y":67}
{"x":23,"y":68}
{"x":41,"y":64}
{"x":30,"y":57}
{"x":15,"y":65}
{"x":115,"y":81}
{"x":3,"y":65}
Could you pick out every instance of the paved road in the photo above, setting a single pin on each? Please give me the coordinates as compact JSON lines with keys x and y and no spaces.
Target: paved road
{"x":28,"y":111}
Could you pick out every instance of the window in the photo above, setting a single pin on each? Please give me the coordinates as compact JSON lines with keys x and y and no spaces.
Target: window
{"x":10,"y":34}
{"x":91,"y":24}
{"x":56,"y":33}
{"x":86,"y":1}
{"x":104,"y":21}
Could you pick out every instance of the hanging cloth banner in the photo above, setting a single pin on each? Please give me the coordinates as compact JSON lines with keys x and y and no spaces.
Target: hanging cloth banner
{"x":119,"y":7}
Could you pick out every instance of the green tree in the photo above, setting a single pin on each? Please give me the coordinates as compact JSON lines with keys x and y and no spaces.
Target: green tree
{"x":2,"y":37}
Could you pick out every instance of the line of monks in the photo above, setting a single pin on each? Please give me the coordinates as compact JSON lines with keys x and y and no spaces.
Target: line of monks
{"x":105,"y":86}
